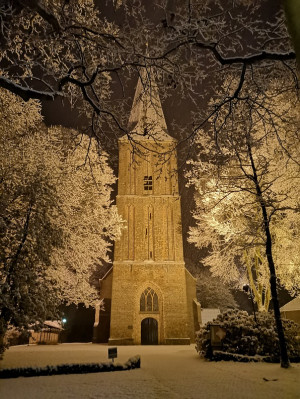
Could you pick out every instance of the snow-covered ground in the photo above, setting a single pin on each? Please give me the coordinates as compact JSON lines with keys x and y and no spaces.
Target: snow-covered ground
{"x":167,"y":372}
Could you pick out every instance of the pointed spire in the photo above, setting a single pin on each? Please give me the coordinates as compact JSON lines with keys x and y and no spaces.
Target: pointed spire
{"x":147,"y":119}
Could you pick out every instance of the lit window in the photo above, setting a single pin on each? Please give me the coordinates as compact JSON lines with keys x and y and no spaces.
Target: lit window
{"x":148,"y":183}
{"x":149,"y":301}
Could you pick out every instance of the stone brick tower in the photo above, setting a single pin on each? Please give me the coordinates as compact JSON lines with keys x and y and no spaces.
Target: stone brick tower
{"x":149,"y":296}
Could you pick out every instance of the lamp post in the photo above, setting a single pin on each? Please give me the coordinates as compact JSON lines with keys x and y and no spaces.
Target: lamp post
{"x":247,"y":289}
{"x":62,"y":335}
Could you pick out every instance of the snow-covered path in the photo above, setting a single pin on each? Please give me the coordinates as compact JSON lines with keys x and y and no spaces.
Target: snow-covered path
{"x":167,"y":372}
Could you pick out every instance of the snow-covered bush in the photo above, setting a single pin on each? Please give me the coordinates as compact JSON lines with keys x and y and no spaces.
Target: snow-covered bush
{"x":16,"y":336}
{"x":75,"y":368}
{"x":246,"y":337}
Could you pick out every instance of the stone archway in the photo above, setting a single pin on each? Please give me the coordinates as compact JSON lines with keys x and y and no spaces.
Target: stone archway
{"x":149,"y":331}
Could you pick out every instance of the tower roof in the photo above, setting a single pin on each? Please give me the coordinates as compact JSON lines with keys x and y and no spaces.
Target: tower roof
{"x":147,"y":121}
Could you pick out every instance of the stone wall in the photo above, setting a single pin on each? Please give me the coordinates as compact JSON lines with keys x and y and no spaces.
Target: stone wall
{"x":168,"y":281}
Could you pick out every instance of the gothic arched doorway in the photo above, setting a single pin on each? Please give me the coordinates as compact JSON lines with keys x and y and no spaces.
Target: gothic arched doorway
{"x":149,"y":331}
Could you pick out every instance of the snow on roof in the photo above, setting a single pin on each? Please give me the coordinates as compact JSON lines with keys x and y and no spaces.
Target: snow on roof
{"x":292,"y":305}
{"x":147,"y":121}
{"x":209,"y":314}
{"x":54,"y":324}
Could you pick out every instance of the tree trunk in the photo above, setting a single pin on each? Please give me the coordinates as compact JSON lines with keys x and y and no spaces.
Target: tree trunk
{"x":284,"y":359}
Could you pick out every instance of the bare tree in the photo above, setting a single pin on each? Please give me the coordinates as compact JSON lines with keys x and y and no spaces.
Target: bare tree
{"x":72,"y":50}
{"x":246,"y":180}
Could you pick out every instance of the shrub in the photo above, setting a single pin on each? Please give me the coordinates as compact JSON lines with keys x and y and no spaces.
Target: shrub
{"x":16,"y":336}
{"x":132,"y":363}
{"x":245,"y":337}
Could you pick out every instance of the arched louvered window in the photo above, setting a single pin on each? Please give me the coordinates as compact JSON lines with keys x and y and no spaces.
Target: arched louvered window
{"x":148,"y":183}
{"x":149,"y":301}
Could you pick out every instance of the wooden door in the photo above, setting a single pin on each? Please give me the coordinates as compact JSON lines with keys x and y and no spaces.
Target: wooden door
{"x":149,"y":331}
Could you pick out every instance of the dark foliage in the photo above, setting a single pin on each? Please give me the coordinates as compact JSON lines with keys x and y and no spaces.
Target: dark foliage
{"x":132,"y":363}
{"x":245,"y":337}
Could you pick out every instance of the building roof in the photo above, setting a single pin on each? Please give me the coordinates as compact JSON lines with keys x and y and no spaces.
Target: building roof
{"x":109,"y":271}
{"x":292,"y":305}
{"x":209,"y":314}
{"x":53,"y":324}
{"x":147,"y":121}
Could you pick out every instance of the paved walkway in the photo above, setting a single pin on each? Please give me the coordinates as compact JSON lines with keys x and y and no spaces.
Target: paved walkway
{"x":167,"y":372}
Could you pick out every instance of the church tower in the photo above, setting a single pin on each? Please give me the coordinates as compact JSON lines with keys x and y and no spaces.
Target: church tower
{"x":149,"y":296}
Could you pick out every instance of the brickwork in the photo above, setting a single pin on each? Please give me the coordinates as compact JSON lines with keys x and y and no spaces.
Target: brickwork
{"x":168,"y":281}
{"x":150,"y":251}
{"x":149,"y":254}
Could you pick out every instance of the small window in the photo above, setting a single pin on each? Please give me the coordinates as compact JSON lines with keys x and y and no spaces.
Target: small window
{"x":148,"y":183}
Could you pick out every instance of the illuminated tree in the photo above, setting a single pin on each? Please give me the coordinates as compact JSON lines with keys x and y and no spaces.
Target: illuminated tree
{"x":86,"y":215}
{"x":56,"y":218}
{"x":212,"y":292}
{"x":247,"y":191}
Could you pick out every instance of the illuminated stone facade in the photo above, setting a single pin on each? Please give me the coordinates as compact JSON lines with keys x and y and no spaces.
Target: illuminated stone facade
{"x":152,"y":295}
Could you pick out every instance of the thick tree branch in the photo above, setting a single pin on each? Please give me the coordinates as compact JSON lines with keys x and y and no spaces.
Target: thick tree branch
{"x":23,"y":239}
{"x":94,"y":32}
{"x":212,"y":47}
{"x":27,"y":93}
{"x":247,"y":59}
